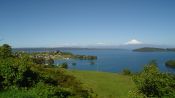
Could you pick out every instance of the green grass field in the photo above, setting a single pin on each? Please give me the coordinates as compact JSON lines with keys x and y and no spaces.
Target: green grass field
{"x":106,"y":85}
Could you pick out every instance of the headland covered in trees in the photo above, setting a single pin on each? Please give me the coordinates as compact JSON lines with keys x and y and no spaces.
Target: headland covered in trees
{"x":153,"y":49}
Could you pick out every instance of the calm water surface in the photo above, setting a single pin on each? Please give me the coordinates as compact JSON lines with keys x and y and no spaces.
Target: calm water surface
{"x":117,"y":60}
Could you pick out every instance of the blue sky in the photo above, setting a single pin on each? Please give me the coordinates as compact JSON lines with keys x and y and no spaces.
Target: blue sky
{"x":54,"y":23}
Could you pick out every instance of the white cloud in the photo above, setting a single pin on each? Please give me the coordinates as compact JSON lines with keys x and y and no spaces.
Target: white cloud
{"x":100,"y":43}
{"x":133,"y":42}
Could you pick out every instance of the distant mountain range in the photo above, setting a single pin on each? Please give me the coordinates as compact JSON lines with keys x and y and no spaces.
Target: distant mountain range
{"x":125,"y":46}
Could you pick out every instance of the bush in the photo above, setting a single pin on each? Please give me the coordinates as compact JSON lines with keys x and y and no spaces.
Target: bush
{"x":56,"y":77}
{"x":48,"y":91}
{"x":126,"y":72}
{"x":17,"y":72}
{"x":153,"y":83}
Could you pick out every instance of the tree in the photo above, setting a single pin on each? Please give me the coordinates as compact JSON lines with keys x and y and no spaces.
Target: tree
{"x":5,"y":51}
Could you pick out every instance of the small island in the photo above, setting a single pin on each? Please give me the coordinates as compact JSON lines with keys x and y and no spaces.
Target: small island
{"x":152,"y":49}
{"x":170,"y":63}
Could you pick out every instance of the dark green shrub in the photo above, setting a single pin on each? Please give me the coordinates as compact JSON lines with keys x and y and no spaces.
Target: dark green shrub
{"x":17,"y":72}
{"x":126,"y":72}
{"x":153,"y":83}
{"x":48,"y":91}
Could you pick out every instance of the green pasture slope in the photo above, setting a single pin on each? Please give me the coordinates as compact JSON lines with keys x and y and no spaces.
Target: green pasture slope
{"x":106,"y":85}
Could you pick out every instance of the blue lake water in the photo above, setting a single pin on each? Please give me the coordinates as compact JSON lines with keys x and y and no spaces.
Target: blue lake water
{"x":116,"y":60}
{"x":113,"y":60}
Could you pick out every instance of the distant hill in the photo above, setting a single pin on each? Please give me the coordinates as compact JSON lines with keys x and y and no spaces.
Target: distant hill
{"x":171,"y":49}
{"x":152,"y":49}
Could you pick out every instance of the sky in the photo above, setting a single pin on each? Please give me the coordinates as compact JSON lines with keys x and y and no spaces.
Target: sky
{"x":56,"y":23}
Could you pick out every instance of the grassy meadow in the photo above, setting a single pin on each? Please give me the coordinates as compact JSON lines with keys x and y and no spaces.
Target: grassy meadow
{"x":106,"y":85}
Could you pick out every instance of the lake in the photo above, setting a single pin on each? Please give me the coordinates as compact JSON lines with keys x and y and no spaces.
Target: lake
{"x":113,"y":60}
